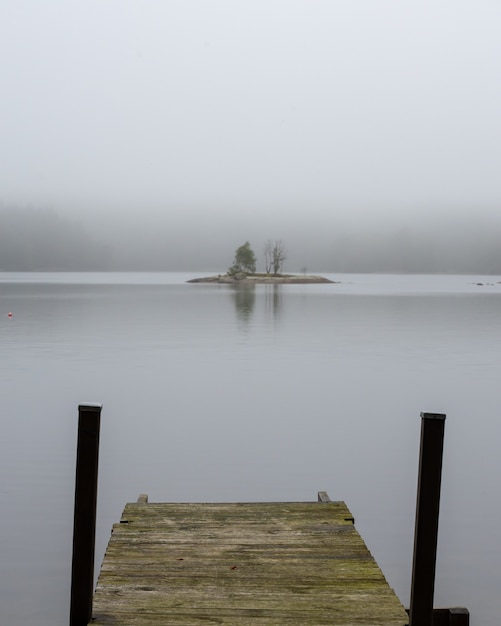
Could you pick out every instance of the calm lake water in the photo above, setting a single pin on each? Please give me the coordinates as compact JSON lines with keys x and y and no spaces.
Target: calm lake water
{"x":212,"y":393}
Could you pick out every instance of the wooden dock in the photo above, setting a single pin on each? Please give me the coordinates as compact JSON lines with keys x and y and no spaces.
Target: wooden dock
{"x":246,"y":564}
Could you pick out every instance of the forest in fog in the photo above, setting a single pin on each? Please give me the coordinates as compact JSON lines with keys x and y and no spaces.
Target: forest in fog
{"x":33,"y":239}
{"x":42,"y":240}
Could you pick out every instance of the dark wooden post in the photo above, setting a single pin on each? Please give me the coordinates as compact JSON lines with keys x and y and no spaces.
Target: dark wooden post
{"x":427,"y":510}
{"x":84,"y":523}
{"x":459,"y":616}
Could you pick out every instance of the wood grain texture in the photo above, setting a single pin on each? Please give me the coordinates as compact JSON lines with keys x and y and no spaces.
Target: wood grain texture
{"x":241,"y":564}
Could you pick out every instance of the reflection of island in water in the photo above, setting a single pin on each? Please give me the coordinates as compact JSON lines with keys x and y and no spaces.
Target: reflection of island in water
{"x":244,"y":297}
{"x":244,"y":286}
{"x":273,"y":301}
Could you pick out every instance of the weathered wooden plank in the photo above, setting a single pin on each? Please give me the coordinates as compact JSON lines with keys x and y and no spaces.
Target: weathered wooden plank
{"x":242,"y":564}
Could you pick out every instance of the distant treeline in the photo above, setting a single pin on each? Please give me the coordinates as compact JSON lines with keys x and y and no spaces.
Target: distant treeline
{"x":42,"y":240}
{"x":465,"y":246}
{"x":34,"y":239}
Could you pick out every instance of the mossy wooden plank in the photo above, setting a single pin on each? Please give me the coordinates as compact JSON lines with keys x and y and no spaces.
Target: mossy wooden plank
{"x":241,"y":564}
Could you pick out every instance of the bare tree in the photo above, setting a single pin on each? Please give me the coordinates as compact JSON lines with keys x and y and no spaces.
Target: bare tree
{"x":268,"y":256}
{"x":278,"y":256}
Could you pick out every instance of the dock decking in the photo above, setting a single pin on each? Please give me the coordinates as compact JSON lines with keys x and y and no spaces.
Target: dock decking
{"x":241,"y":564}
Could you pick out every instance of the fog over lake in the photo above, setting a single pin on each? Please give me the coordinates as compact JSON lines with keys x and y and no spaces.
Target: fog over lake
{"x":151,"y":140}
{"x":305,"y":119}
{"x":212,"y":393}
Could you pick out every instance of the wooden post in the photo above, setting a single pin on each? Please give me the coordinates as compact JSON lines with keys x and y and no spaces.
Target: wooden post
{"x":459,"y":616}
{"x":84,"y":523}
{"x":456,"y":616}
{"x":323,"y":496}
{"x":427,"y":510}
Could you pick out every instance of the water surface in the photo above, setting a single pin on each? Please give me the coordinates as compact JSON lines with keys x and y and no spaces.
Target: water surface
{"x":214,"y":393}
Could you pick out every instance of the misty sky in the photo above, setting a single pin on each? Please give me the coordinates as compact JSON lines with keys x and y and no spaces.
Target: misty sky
{"x":292,"y":109}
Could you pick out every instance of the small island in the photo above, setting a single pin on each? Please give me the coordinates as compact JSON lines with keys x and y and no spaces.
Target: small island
{"x":243,"y":269}
{"x":241,"y":278}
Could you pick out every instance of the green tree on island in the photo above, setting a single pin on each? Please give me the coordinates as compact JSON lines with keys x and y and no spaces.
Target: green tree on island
{"x":244,"y":261}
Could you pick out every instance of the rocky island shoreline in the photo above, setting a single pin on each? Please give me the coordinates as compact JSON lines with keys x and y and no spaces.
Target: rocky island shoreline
{"x":241,"y":278}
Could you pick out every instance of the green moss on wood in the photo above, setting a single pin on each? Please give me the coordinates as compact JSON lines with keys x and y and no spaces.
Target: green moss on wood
{"x":259,"y":563}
